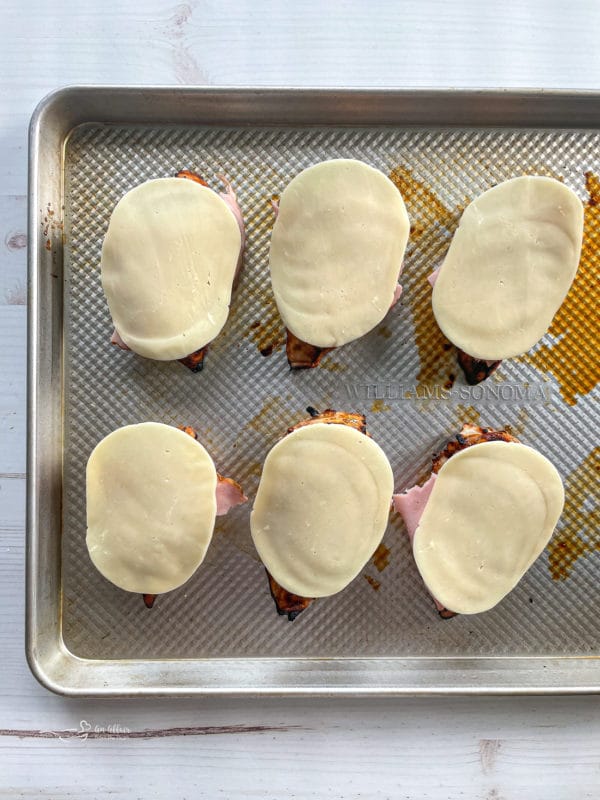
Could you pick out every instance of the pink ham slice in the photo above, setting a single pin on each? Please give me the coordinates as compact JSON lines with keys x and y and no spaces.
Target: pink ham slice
{"x":116,"y":339}
{"x":397,"y":294}
{"x":229,"y":197}
{"x":411,"y":504}
{"x":432,"y":277}
{"x":229,"y":494}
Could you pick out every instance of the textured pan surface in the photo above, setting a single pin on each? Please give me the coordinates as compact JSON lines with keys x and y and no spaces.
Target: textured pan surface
{"x":243,"y":401}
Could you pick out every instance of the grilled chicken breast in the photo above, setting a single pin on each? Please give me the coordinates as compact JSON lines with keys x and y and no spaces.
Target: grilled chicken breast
{"x":481,"y":519}
{"x":287,"y":601}
{"x":152,"y":499}
{"x":509,"y":267}
{"x":336,"y":254}
{"x":172,"y":247}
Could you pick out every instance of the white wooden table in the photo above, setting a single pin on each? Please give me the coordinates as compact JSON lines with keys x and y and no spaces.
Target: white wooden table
{"x":490,"y":749}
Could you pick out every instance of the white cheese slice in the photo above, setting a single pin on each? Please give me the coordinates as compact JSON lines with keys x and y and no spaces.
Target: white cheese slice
{"x":336,"y":251}
{"x":321,"y":508}
{"x":510,"y":264}
{"x":168,"y":263}
{"x":491,"y":512}
{"x":151,"y":506}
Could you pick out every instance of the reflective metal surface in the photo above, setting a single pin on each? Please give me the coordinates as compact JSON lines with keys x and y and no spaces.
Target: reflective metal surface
{"x":220,"y":634}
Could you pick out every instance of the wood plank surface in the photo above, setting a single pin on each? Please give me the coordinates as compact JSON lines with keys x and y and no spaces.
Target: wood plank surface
{"x":489,"y":749}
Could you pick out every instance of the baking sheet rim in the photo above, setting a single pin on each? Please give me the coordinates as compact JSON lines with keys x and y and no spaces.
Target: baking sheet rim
{"x":51,"y":663}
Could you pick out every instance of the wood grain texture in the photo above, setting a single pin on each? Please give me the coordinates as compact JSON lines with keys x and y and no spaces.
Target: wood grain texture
{"x":424,"y":749}
{"x":488,"y":749}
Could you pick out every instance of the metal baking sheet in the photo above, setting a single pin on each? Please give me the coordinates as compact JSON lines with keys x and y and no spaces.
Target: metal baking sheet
{"x":220,"y":632}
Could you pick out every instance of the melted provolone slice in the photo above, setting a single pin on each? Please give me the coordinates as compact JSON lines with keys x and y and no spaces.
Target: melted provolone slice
{"x":510,"y":264}
{"x":491,"y":512}
{"x":168,"y":263}
{"x":151,"y":505}
{"x":336,"y":251}
{"x":322,"y":508}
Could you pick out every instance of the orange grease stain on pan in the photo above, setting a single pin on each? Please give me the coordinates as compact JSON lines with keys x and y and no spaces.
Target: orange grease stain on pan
{"x":518,"y":428}
{"x":381,"y":557}
{"x":373,"y":583}
{"x":580,"y":535}
{"x":418,"y":196}
{"x":431,"y":221}
{"x":384,"y":332}
{"x":271,"y":420}
{"x":465,"y":414}
{"x":269,"y":334}
{"x":255,"y":468}
{"x":574,"y":358}
{"x":378,"y":406}
{"x":267,"y":331}
{"x":332,"y":366}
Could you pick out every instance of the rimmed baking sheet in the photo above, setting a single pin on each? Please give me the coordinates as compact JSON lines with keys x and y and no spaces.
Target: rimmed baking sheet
{"x":220,"y":632}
